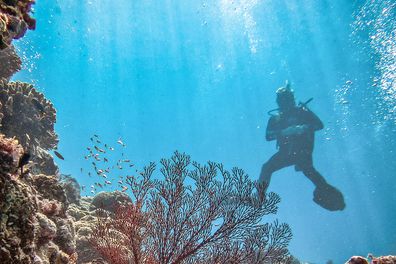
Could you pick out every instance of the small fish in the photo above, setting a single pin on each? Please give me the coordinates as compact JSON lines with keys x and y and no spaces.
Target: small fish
{"x":111,"y":148}
{"x":99,"y":172}
{"x":96,"y":136}
{"x":88,"y":148}
{"x":23,"y":160}
{"x":104,"y":176}
{"x":97,"y":158}
{"x":108,"y":182}
{"x":94,"y":164}
{"x":81,"y":169}
{"x":99,"y":184}
{"x":105,"y":160}
{"x":91,"y":138}
{"x":92,"y":186}
{"x":59,"y":155}
{"x":131,"y":165}
{"x":98,"y":141}
{"x":27,"y":136}
{"x":93,"y":192}
{"x":82,"y":187}
{"x":119,"y":167}
{"x":107,"y":170}
{"x":126,"y":160}
{"x":89,"y":174}
{"x":124,"y":188}
{"x":121,"y":143}
{"x":120,"y":182}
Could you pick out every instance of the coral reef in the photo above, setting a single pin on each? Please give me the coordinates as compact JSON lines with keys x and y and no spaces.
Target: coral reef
{"x":14,"y":20}
{"x":33,"y":225}
{"x":10,"y":155}
{"x":17,"y":208}
{"x":71,"y":187}
{"x":10,"y":62}
{"x":27,"y":115}
{"x":108,"y":200}
{"x":372,"y":260}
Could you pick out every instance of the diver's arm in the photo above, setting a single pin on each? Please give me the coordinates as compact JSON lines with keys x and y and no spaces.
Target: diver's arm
{"x":313,"y":121}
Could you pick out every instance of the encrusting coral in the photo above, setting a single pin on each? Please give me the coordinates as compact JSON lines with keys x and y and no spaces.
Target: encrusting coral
{"x":27,"y":115}
{"x":10,"y":62}
{"x":17,"y":207}
{"x":15,"y":20}
{"x":372,"y":260}
{"x":33,"y":225}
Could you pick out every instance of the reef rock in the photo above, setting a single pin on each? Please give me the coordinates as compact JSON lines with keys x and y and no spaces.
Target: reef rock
{"x":108,"y":200}
{"x":372,"y":260}
{"x":85,"y":216}
{"x":17,"y":208}
{"x":27,"y":115}
{"x":50,"y":189}
{"x":43,"y":163}
{"x":72,"y":188}
{"x":14,"y":20}
{"x":10,"y":62}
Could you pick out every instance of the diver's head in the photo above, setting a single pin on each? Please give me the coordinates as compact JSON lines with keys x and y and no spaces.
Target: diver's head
{"x":285,"y":98}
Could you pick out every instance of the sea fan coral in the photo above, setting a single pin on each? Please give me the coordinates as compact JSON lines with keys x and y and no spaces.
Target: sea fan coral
{"x":216,"y":219}
{"x":14,"y":20}
{"x":10,"y":62}
{"x":27,"y":115}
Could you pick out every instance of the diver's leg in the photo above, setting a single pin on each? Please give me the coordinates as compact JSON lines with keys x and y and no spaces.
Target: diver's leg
{"x":278,"y":161}
{"x":315,"y":177}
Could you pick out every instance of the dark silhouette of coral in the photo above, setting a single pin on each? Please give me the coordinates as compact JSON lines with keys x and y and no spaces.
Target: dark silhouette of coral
{"x":216,"y":219}
{"x":10,"y":62}
{"x":15,"y":20}
{"x":27,"y":115}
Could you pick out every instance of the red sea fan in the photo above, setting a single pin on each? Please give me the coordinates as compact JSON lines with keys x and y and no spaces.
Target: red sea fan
{"x":196,"y":214}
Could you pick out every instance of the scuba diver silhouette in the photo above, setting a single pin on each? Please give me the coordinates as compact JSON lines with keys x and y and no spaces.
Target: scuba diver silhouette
{"x":293,"y":127}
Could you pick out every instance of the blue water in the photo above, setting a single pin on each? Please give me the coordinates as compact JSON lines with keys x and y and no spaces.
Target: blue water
{"x":200,"y":76}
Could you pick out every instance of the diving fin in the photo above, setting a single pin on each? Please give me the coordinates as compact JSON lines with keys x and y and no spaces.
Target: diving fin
{"x":329,"y":198}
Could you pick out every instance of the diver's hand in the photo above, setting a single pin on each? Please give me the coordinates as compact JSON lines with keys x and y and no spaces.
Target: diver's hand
{"x":294,"y":130}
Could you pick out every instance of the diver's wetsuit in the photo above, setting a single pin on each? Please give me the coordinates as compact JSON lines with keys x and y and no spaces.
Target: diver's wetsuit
{"x":293,"y":149}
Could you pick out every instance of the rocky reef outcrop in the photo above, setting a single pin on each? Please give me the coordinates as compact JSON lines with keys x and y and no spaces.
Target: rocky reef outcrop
{"x":372,"y":260}
{"x":34,"y":226}
{"x":28,"y":116}
{"x":15,"y":19}
{"x":10,"y":62}
{"x":84,"y":215}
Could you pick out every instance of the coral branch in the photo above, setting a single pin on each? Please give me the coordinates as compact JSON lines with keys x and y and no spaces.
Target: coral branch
{"x":196,"y":214}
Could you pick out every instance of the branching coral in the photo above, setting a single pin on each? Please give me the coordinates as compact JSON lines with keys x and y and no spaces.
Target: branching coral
{"x":26,"y":114}
{"x":10,"y":62}
{"x":214,"y":220}
{"x":14,"y":20}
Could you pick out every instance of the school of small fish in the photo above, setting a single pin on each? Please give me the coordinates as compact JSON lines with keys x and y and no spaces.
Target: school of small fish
{"x":100,"y":156}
